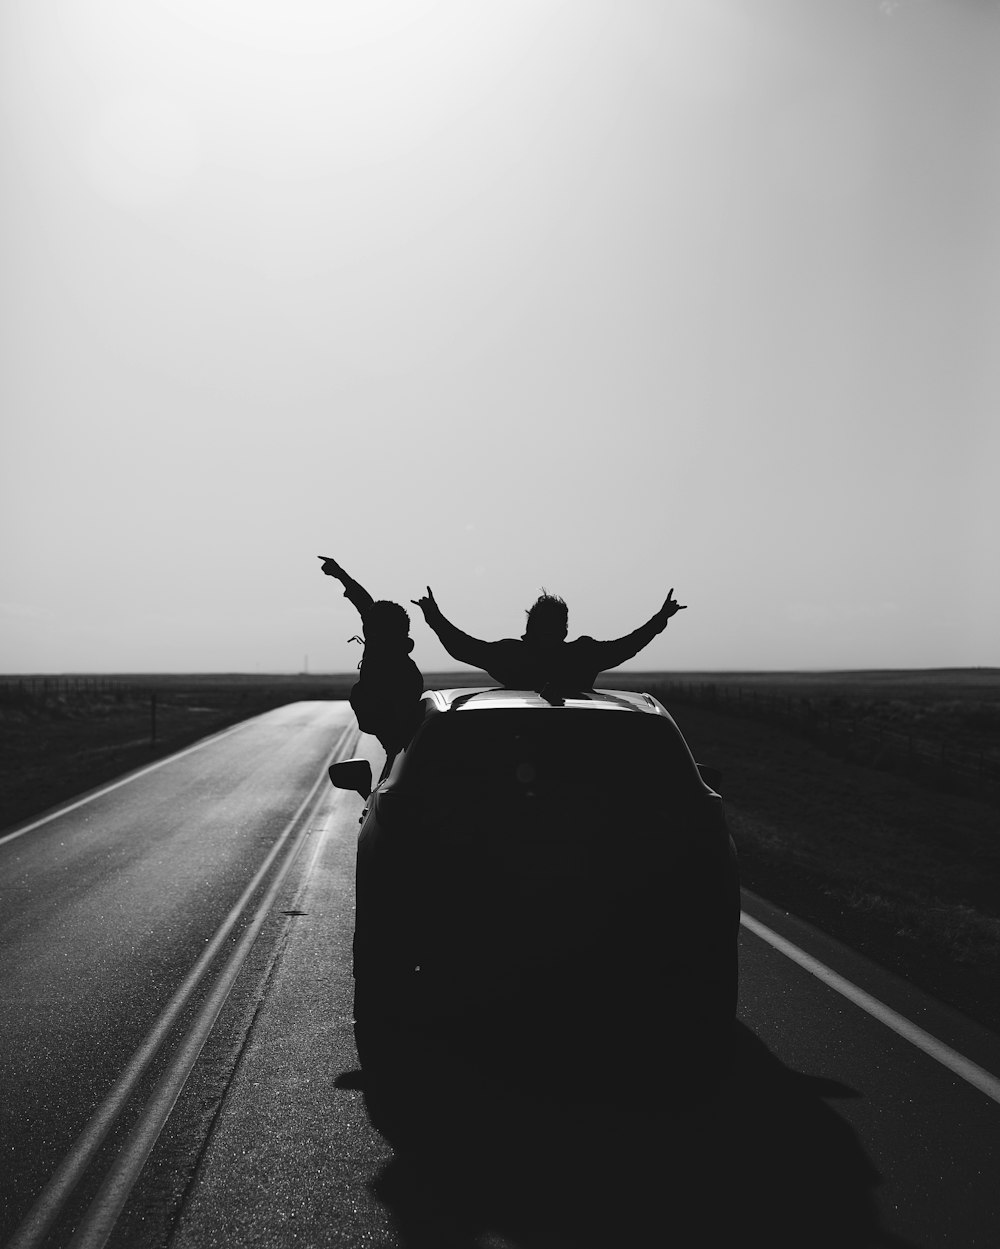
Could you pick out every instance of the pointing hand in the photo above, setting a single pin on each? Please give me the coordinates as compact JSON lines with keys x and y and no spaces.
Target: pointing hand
{"x":331,"y":567}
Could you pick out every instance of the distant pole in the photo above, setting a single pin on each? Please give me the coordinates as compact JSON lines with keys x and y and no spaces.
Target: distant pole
{"x":305,"y":665}
{"x":152,"y":719}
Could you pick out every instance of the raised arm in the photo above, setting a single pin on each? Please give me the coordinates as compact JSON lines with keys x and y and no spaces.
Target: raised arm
{"x":353,"y":590}
{"x":459,"y":645}
{"x":617,"y":651}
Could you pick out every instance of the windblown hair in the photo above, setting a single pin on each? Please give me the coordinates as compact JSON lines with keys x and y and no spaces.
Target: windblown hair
{"x":387,"y":621}
{"x":548,"y":617}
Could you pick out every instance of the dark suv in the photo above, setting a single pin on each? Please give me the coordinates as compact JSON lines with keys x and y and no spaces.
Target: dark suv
{"x":548,"y":888}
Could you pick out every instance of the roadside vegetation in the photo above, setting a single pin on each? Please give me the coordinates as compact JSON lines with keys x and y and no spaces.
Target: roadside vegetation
{"x":897,"y":858}
{"x":60,"y":736}
{"x":893,"y":850}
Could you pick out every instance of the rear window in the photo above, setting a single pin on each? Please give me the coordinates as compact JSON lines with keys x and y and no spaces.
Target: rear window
{"x":515,"y":747}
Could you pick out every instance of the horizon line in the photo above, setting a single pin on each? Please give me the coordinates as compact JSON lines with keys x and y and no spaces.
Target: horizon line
{"x":337,"y":672}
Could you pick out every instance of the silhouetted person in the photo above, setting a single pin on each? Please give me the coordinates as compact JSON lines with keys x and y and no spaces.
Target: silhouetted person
{"x":541,"y":659}
{"x":386,"y":696}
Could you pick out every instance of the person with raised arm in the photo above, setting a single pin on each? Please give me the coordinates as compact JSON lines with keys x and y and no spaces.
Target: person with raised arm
{"x":386,"y":696}
{"x":541,"y":659}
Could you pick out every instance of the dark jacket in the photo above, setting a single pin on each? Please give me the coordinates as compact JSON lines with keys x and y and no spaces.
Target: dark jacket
{"x":386,"y":696}
{"x":521,"y":664}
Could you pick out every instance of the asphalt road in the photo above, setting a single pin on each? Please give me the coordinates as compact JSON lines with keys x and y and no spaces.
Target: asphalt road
{"x":104,"y":909}
{"x":832,"y":1128}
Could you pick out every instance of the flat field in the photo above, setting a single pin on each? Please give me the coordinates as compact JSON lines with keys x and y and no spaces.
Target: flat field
{"x":891,"y":844}
{"x":865,"y":802}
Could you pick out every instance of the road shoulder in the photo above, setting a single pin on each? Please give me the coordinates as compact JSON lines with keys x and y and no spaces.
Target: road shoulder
{"x":291,"y":1150}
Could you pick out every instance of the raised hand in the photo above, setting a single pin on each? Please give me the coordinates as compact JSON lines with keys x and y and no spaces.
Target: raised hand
{"x":426,"y":602}
{"x":331,"y":567}
{"x":671,"y":606}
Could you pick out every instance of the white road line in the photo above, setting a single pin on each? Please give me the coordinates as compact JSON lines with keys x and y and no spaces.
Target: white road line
{"x":97,"y":1223}
{"x":133,"y":776}
{"x":956,"y":1063}
{"x":50,"y":1201}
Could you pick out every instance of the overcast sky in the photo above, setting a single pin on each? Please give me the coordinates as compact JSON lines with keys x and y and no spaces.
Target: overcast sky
{"x":605,"y":296}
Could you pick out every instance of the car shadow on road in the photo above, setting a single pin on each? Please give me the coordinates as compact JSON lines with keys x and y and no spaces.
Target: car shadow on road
{"x":760,"y":1158}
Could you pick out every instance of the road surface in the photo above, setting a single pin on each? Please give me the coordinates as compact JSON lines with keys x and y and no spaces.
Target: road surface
{"x":177,"y":1062}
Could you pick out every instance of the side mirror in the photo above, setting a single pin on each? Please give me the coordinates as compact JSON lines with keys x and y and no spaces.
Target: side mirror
{"x":711,"y":776}
{"x":353,"y":774}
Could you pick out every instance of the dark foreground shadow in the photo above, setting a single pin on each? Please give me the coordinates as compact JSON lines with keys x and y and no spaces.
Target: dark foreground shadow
{"x":758,"y":1158}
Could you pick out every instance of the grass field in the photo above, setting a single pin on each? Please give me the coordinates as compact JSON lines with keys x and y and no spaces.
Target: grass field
{"x":893,"y":850}
{"x":897,"y":858}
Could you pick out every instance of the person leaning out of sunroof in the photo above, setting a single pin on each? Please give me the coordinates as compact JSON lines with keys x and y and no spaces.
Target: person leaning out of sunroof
{"x":541,"y":659}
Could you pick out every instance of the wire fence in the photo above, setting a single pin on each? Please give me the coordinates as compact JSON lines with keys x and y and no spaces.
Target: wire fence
{"x":26,"y":688}
{"x":944,"y":760}
{"x":167,"y":705}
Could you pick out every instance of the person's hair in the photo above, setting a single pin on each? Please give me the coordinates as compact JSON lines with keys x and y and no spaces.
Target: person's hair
{"x":387,"y":621}
{"x":548,"y":618}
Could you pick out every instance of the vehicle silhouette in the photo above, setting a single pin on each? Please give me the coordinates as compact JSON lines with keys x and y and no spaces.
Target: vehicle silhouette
{"x":540,"y":879}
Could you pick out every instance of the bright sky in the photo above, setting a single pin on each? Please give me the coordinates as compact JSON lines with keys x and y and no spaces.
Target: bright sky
{"x":605,"y":296}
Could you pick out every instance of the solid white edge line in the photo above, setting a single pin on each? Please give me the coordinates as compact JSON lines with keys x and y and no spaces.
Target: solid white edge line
{"x":133,"y":776}
{"x":97,"y":1223}
{"x":956,"y":1063}
{"x":50,"y":1200}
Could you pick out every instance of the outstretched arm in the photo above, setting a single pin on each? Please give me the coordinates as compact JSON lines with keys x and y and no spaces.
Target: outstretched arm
{"x":459,"y":645}
{"x":617,"y":651}
{"x":353,"y":590}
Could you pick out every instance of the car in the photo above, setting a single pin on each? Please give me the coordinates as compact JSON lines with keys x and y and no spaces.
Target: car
{"x":547,"y":889}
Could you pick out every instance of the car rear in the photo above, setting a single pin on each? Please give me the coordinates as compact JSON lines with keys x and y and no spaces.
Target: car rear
{"x":556,"y":881}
